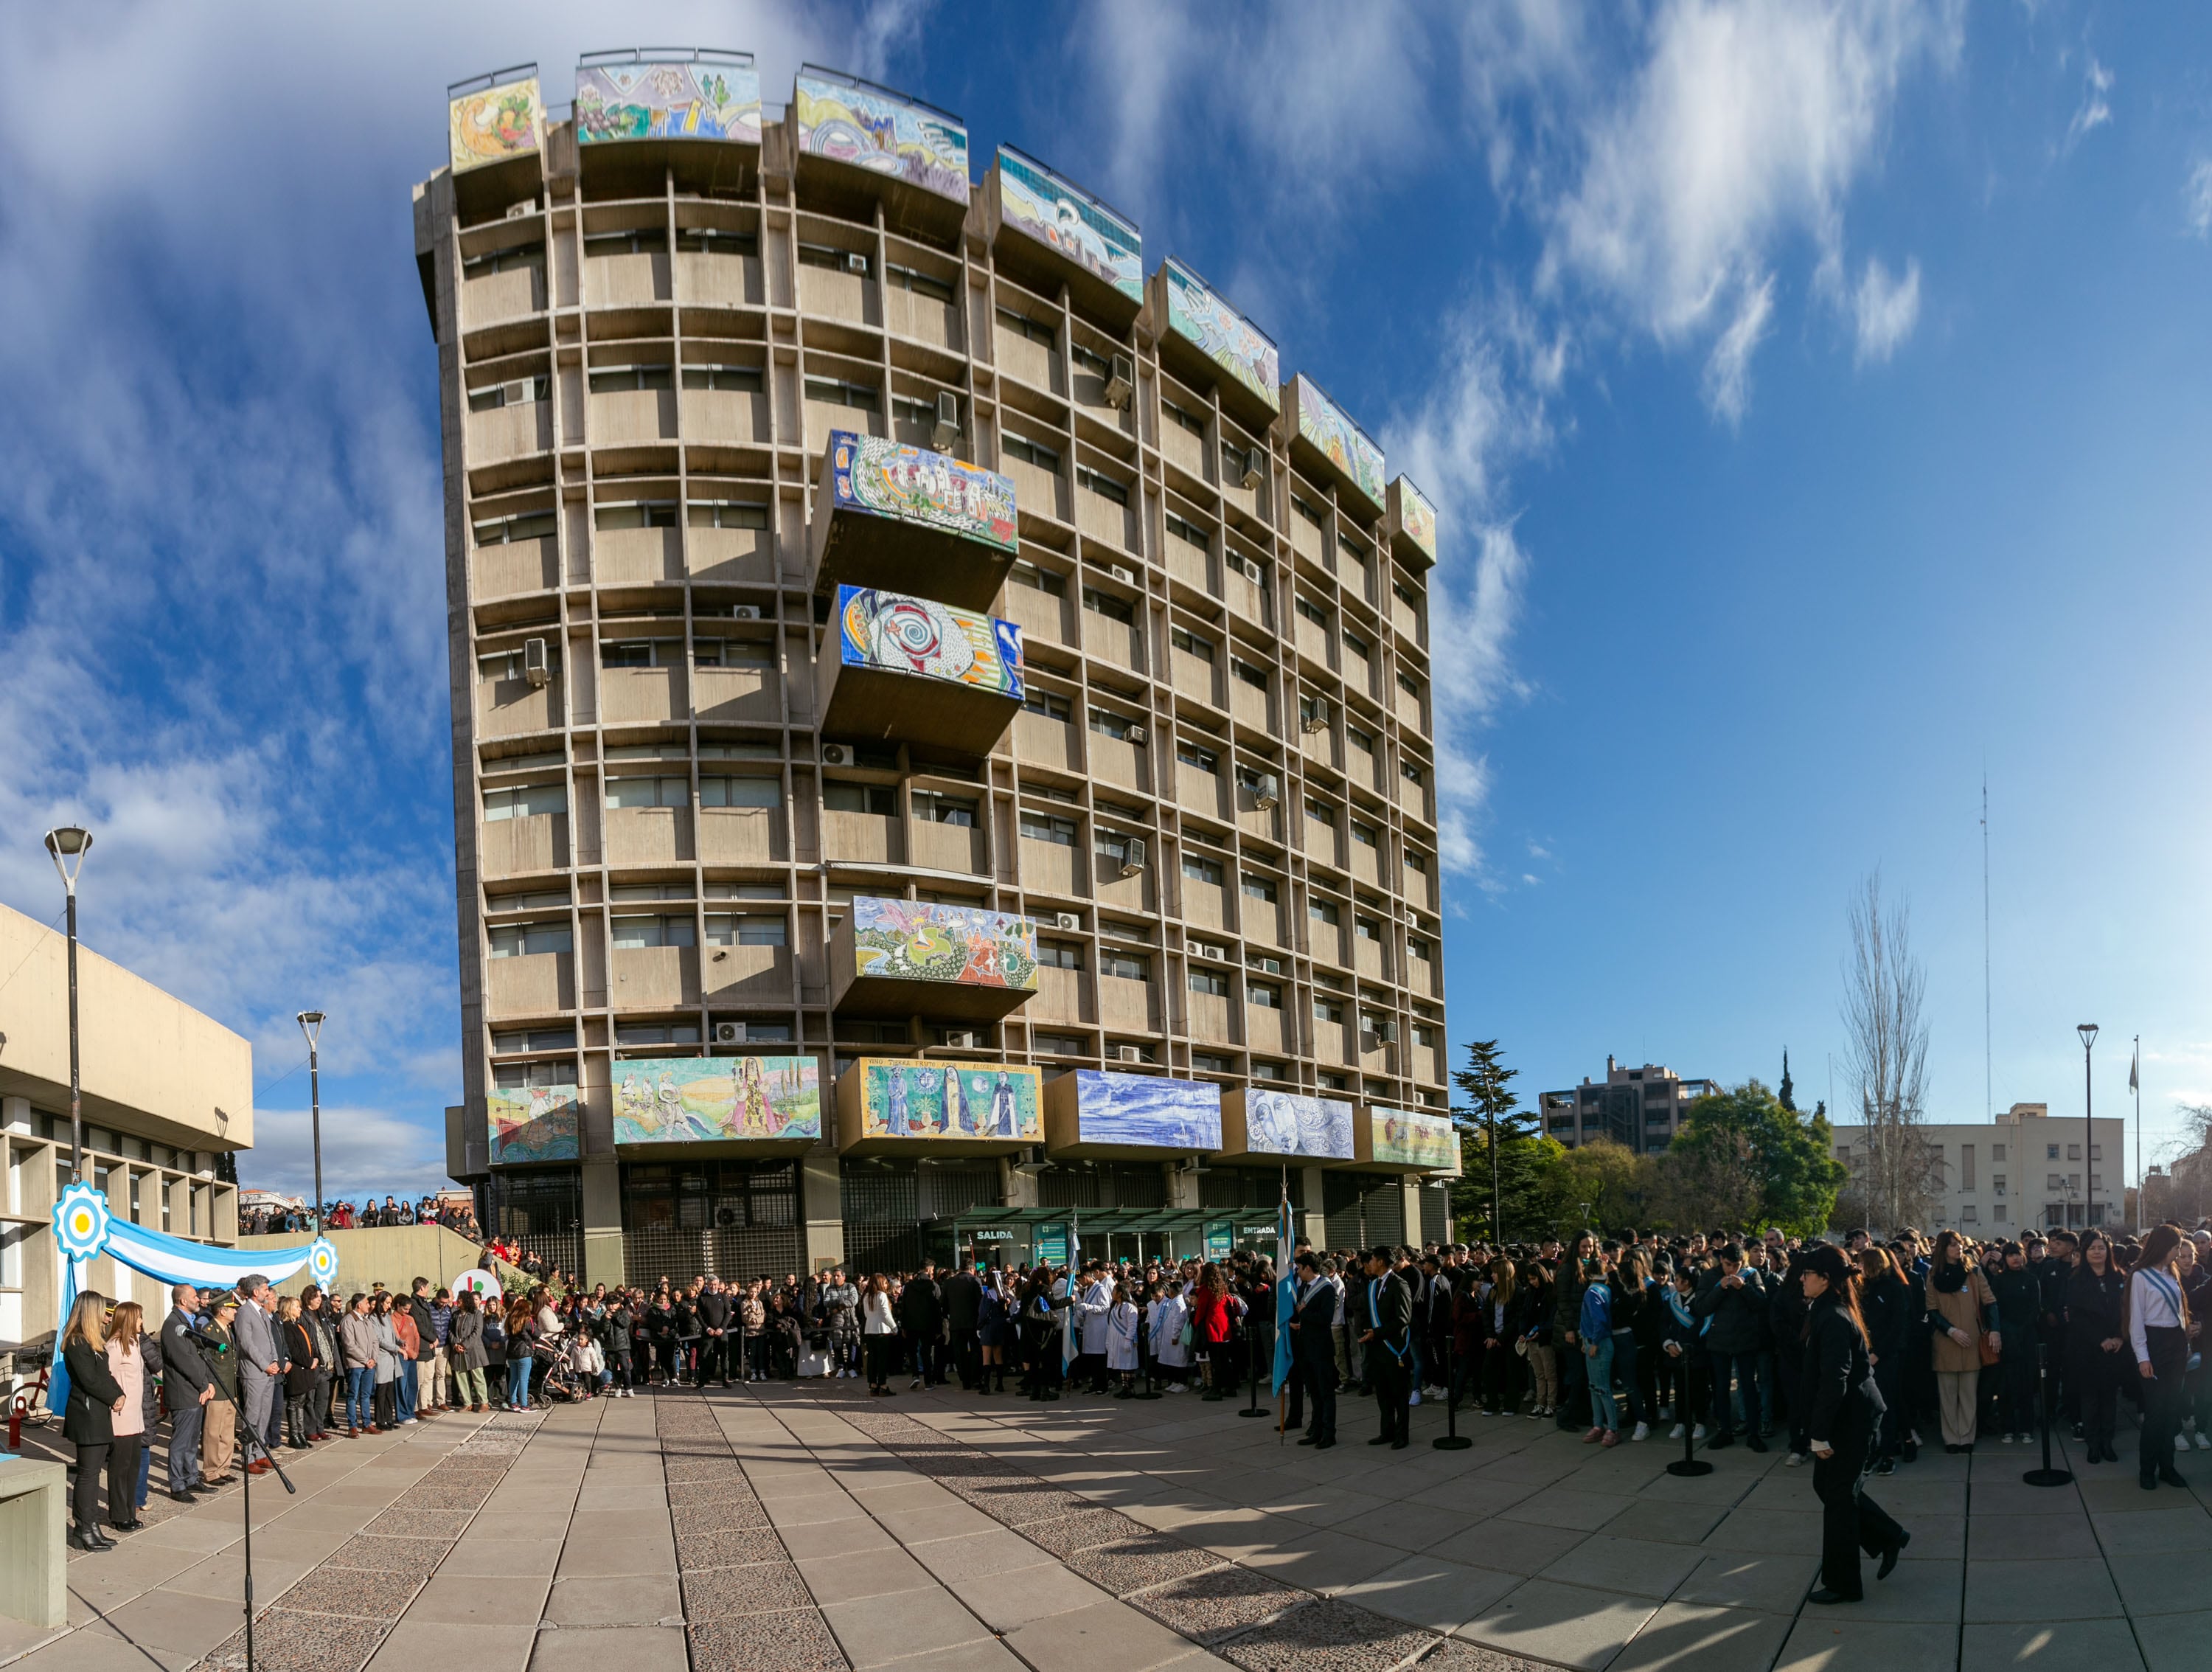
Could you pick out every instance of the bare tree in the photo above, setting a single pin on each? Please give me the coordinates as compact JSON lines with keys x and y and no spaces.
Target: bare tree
{"x":1885,"y":988}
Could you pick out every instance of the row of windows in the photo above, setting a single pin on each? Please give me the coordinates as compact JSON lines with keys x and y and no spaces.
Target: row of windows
{"x":632,"y":932}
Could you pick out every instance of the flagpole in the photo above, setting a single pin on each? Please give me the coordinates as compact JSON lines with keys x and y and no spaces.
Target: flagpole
{"x":2134,"y":1084}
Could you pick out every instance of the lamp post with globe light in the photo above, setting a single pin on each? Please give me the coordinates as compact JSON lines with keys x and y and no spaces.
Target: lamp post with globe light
{"x":2089,"y":1033}
{"x":311,"y":1024}
{"x":69,"y":845}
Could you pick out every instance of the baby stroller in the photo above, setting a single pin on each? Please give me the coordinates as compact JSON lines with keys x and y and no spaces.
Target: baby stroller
{"x":554,"y":1381}
{"x":814,"y":1355}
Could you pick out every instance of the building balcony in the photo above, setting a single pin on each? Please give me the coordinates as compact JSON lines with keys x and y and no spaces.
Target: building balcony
{"x":899,"y":958}
{"x":909,"y":670}
{"x":893,"y":516}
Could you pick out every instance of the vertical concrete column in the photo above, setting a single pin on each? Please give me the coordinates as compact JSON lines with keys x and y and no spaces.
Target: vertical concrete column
{"x":1410,"y":1185}
{"x":602,"y":1230}
{"x":1314,"y":1221}
{"x":822,"y":1206}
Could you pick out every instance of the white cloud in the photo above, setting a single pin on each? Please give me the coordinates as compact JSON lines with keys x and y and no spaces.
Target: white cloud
{"x":1746,"y":127}
{"x":366,"y":1152}
{"x":2095,"y":109}
{"x":2197,"y":199}
{"x":1885,"y":309}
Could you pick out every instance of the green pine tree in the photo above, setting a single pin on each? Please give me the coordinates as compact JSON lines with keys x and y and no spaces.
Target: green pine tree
{"x":1496,"y":1142}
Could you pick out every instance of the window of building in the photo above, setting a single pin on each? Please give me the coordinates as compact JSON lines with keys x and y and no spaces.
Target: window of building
{"x":635,"y":513}
{"x":521,"y":1076}
{"x":1126,"y":966}
{"x":1363,"y":741}
{"x":1204,"y":759}
{"x":1266,"y":965}
{"x":1267,"y":1071}
{"x":1997,"y":1151}
{"x":2096,"y":1152}
{"x":1311,"y":610}
{"x":655,"y":792}
{"x":1188,"y":531}
{"x":1190,"y":643}
{"x":2073,"y":1151}
{"x":641,"y":652}
{"x":503,"y":261}
{"x":933,"y":807}
{"x":1105,"y":604}
{"x":1966,"y":1167}
{"x":1026,"y":573}
{"x":524,"y":801}
{"x":1306,"y":509}
{"x":875,"y":799}
{"x":537,"y":900}
{"x":535,"y":1039}
{"x":835,"y":258}
{"x":921,"y":283}
{"x":516,"y":391}
{"x":631,"y":893}
{"x":740,"y":792}
{"x":2051,"y":1152}
{"x":1200,"y":869}
{"x":732,"y":653}
{"x":839,"y":391}
{"x":1265,"y":994}
{"x":1059,"y":955}
{"x":1323,"y":911}
{"x":1407,"y":595}
{"x":1328,"y":1010}
{"x":1410,"y":772}
{"x":1365,"y":835}
{"x":1423,"y":1035}
{"x":1056,"y":1044}
{"x":1035,"y":331}
{"x":1358,"y":646}
{"x":2001,"y":1214}
{"x":1042,"y":827}
{"x":1206,"y":981}
{"x":1367,"y":928}
{"x":715,"y":241}
{"x":1209,"y":1062}
{"x":1112,"y":845}
{"x":1418,"y":948}
{"x":1044,"y":702}
{"x":630,"y":934}
{"x":1184,"y":418}
{"x":1320,"y":812}
{"x":1409,"y":684}
{"x":744,"y":891}
{"x":1330,"y":1082}
{"x":633,"y":241}
{"x":1251,"y":675}
{"x":1029,"y":452}
{"x":726,"y":514}
{"x":1109,"y":724}
{"x":528,"y":940}
{"x":740,"y":379}
{"x":732,"y":930}
{"x":523,"y":526}
{"x":1104,"y":486}
{"x":642,"y":374}
{"x":658,"y":1033}
{"x":1257,"y":888}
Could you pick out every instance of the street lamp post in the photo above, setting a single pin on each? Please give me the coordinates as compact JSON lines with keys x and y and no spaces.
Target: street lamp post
{"x":2089,"y":1033}
{"x":311,"y":1024}
{"x":69,"y":845}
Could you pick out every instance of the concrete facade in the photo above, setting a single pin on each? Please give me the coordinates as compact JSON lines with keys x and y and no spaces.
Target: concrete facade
{"x":1214,"y":799}
{"x":164,"y":1091}
{"x":2000,"y":1178}
{"x":1640,"y":1108}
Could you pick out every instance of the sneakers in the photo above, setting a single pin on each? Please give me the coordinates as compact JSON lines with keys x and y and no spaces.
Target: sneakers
{"x":2203,"y":1441}
{"x":1612,"y":1438}
{"x":912,"y":1385}
{"x":1642,"y":1431}
{"x":1699,"y":1432}
{"x":1594,"y":1436}
{"x":1795,"y":1460}
{"x":1677,"y":1434}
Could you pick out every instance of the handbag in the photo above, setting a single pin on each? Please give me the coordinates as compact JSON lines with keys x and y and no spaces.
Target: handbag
{"x":1990,"y":1354}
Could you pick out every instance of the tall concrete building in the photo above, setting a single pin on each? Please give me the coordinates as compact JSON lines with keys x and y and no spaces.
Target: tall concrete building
{"x":2022,"y":1171}
{"x":1639,"y":1108}
{"x":942,"y":742}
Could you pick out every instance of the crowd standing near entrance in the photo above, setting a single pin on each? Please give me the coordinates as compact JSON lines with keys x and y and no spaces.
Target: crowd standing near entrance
{"x":1852,"y":1355}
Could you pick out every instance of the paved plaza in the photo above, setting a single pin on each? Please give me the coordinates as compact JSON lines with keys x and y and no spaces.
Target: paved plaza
{"x":815,"y":1527}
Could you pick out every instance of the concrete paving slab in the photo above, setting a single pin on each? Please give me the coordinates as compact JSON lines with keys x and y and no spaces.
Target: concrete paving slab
{"x":1689,"y":1637}
{"x":1427,"y":1590}
{"x":632,"y":1648}
{"x":2106,"y":1644}
{"x":1823,"y":1640}
{"x":1567,"y":1625}
{"x":2003,"y":1591}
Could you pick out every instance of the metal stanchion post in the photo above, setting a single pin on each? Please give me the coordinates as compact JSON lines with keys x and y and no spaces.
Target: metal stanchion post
{"x":1255,"y":1408}
{"x":2046,"y":1476}
{"x":1451,"y":1439}
{"x":1689,"y":1463}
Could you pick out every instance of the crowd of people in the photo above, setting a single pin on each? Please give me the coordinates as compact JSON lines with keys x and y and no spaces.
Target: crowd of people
{"x":281,"y":1220}
{"x":1852,"y":1355}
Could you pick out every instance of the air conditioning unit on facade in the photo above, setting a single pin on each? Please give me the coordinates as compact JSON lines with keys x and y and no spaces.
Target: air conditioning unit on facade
{"x":856,"y":263}
{"x":536,"y":668}
{"x":836,"y":754}
{"x":946,"y":433}
{"x":1132,"y":857}
{"x":1135,"y":734}
{"x":1318,"y":720}
{"x":528,"y":206}
{"x":520,"y":393}
{"x":1121,"y":382}
{"x":746,"y":612}
{"x":1206,"y":949}
{"x":729,"y":1033}
{"x":1128,"y":1054}
{"x":1269,"y":794}
{"x":1386,"y":1033}
{"x":963,"y":1040}
{"x":1066,"y":920}
{"x":1254,"y":466}
{"x":1122,"y":573}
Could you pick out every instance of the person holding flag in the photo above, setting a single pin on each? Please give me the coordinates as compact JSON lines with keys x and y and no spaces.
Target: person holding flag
{"x":1305,"y":1347}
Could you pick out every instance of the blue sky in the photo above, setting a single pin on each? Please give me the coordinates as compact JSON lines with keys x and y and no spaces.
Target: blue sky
{"x":1818,"y":396}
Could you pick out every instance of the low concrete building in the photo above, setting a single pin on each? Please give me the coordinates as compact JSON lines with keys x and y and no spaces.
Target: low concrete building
{"x":2024,"y":1170}
{"x":1639,"y":1108}
{"x":166,"y":1091}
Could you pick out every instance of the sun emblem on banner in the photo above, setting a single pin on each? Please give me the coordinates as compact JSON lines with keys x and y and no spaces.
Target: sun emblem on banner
{"x":81,"y":1221}
{"x":323,"y":1261}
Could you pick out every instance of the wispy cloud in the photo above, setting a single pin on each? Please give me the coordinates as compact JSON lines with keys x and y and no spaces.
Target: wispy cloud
{"x":1727,"y":369}
{"x":1885,"y":309}
{"x":2095,"y":109}
{"x":2197,"y":199}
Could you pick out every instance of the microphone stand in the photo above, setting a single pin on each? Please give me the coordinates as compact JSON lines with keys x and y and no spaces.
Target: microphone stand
{"x":248,"y":1444}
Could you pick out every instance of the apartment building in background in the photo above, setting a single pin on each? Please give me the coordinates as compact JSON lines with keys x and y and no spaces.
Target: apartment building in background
{"x":166,"y":1091}
{"x":1639,"y":1108}
{"x":2023,"y":1170}
{"x":942,"y":725}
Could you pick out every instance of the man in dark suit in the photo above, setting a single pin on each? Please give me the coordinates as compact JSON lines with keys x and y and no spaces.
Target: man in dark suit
{"x":962,"y":1294}
{"x":921,"y":1316}
{"x":189,"y":1385}
{"x":1389,"y":1340}
{"x":1313,"y":1353}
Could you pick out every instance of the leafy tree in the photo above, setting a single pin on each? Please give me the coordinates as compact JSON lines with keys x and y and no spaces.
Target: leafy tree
{"x":1742,"y":1160}
{"x":1498,"y":1145}
{"x":1603,"y":1185}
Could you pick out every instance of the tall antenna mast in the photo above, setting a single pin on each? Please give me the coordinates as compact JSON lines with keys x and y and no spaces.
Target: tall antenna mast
{"x":1988,"y":1097}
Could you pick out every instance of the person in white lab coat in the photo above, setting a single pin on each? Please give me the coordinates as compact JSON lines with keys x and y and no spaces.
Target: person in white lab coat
{"x":1170,"y":1349}
{"x":1094,"y":1302}
{"x":1123,"y":1325}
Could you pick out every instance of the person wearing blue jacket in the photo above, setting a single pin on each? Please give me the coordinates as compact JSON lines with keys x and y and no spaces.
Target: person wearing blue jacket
{"x":1595,"y":1327}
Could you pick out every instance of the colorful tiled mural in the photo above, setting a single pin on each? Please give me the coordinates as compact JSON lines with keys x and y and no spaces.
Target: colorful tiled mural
{"x":533,"y":1123}
{"x":689,"y":101}
{"x":947,"y":1100}
{"x":717,"y":1099}
{"x":1324,"y":423}
{"x":495,"y":122}
{"x":1065,"y":218}
{"x":873,"y":128}
{"x":928,"y":940}
{"x":1417,"y":518}
{"x":1225,"y":336}
{"x":1285,"y":1123}
{"x":897,"y":634}
{"x":1409,"y":1138}
{"x":888,"y":478}
{"x":1147,"y":1108}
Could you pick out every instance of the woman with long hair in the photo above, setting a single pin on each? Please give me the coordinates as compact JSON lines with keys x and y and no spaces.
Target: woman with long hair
{"x":468,"y":1351}
{"x":95,"y":1401}
{"x":126,"y":1363}
{"x":1535,"y":1337}
{"x":2096,"y":1343}
{"x":879,"y":1330}
{"x":1840,"y":1427}
{"x":1209,"y":1327}
{"x":387,"y":1361}
{"x":2159,"y":1331}
{"x":299,"y":1344}
{"x":1962,"y":1312}
{"x":521,"y":1336}
{"x":1886,"y":1310}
